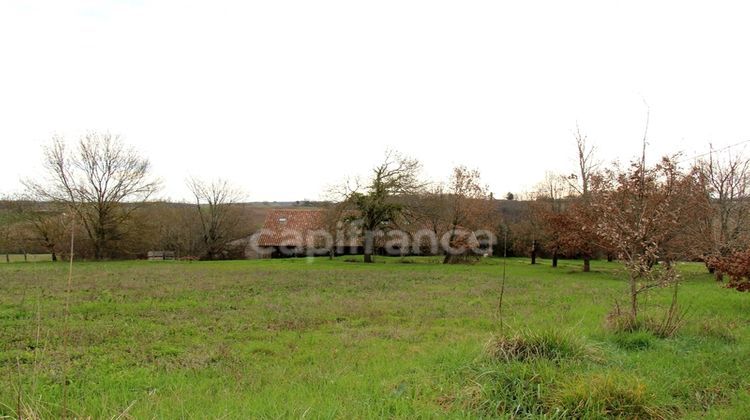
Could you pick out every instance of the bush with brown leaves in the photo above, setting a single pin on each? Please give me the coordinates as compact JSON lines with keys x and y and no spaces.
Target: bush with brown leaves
{"x":737,"y":267}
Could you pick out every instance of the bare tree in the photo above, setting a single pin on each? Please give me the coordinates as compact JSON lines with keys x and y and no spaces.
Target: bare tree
{"x":580,"y":234}
{"x":215,"y":203}
{"x":549,"y":211}
{"x":173,"y":227}
{"x":727,"y":179}
{"x":102,"y":181}
{"x":429,"y":208}
{"x":555,"y":188}
{"x":587,"y":165}
{"x":43,"y":223}
{"x":333,"y":220}
{"x":11,"y":236}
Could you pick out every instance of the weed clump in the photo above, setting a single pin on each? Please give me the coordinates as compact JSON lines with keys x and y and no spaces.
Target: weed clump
{"x":666,"y":326}
{"x":516,"y":389}
{"x":610,"y":395}
{"x":636,"y":340}
{"x":717,"y":329}
{"x":531,"y":345}
{"x":620,"y":322}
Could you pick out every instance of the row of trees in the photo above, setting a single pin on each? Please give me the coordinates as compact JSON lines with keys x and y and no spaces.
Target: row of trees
{"x":646,"y":215}
{"x":396,"y":198}
{"x":100,"y":191}
{"x":640,"y":213}
{"x":697,"y":212}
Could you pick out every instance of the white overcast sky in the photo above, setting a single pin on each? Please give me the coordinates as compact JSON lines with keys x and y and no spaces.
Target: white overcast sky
{"x":286,"y":97}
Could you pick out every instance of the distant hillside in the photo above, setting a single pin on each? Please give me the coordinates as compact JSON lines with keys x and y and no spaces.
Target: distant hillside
{"x":254,"y":211}
{"x":277,"y":204}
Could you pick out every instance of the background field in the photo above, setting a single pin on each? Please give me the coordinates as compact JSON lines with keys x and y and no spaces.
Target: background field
{"x":21,"y":258}
{"x":319,"y":338}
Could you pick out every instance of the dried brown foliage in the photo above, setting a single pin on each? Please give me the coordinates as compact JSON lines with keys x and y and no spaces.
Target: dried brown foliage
{"x":468,"y":206}
{"x":642,"y":212}
{"x":737,"y":267}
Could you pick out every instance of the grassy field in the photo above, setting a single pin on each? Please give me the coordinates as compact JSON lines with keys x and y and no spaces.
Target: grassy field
{"x":339,"y":339}
{"x":13,"y":258}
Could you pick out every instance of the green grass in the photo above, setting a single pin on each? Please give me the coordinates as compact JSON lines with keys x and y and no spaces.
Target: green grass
{"x":340,"y":339}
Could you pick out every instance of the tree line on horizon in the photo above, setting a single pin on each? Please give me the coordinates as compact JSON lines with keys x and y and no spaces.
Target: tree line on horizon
{"x":639,"y":213}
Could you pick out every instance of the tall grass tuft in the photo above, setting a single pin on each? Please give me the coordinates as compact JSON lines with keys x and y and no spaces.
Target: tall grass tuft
{"x":718,"y":329}
{"x":612,"y":395}
{"x":672,"y":321}
{"x":666,"y":326}
{"x":535,"y":345}
{"x":515,"y":389}
{"x":636,"y":340}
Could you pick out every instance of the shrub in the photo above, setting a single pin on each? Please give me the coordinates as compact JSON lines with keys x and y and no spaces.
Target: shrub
{"x":663,"y":327}
{"x":672,"y":321}
{"x":736,"y":266}
{"x":621,"y":322}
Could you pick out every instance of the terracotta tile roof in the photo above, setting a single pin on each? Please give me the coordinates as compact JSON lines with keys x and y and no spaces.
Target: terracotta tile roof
{"x":290,"y":227}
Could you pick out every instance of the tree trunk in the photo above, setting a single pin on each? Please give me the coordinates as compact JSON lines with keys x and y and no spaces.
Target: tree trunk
{"x":586,"y":264}
{"x":331,"y":253}
{"x":533,"y":252}
{"x":369,"y":245}
{"x":97,"y":251}
{"x":610,"y":258}
{"x":633,"y":299}
{"x":554,"y":259}
{"x":449,"y":257}
{"x":54,"y":256}
{"x":719,"y":275}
